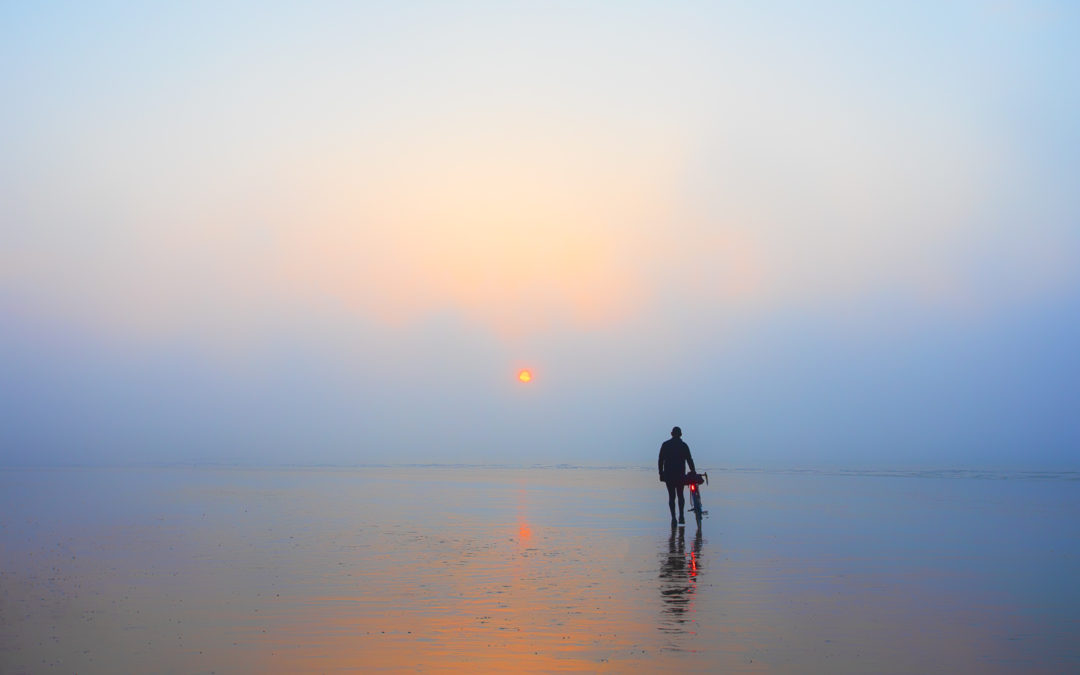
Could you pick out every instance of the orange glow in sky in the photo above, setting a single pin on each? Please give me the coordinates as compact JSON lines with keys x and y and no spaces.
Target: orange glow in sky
{"x":525,"y":375}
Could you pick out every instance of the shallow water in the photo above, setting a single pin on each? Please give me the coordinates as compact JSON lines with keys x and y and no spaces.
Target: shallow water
{"x":252,"y":570}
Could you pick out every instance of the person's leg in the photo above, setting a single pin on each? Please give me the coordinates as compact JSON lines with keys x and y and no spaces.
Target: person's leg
{"x":671,"y":491}
{"x":682,"y":505}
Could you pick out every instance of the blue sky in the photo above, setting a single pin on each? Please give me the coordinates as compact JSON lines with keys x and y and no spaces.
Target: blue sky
{"x":828,"y":234}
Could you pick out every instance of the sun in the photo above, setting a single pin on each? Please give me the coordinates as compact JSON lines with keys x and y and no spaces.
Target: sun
{"x":525,"y":375}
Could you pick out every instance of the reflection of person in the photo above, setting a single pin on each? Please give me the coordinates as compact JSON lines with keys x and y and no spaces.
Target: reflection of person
{"x":675,"y":585}
{"x":678,"y":579}
{"x":674,"y":456}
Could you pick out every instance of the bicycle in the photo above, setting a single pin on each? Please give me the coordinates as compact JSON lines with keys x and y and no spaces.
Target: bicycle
{"x":694,"y":481}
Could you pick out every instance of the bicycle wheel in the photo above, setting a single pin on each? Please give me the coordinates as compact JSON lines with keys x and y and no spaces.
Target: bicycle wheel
{"x":697,"y":507}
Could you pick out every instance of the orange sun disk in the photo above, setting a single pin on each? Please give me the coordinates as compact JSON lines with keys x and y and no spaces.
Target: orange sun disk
{"x":525,"y":376}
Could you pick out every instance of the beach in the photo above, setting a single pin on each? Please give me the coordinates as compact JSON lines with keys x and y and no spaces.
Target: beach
{"x":435,"y":568}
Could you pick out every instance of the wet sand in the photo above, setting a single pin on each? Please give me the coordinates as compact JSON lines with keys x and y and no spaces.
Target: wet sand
{"x":438,"y":569}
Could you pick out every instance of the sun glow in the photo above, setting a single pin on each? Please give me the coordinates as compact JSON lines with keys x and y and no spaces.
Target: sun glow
{"x":525,"y":376}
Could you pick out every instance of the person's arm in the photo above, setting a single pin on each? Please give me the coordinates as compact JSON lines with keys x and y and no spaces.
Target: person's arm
{"x":660,"y":463}
{"x":690,"y":460}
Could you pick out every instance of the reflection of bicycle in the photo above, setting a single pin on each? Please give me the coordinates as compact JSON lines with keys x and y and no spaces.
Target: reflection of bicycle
{"x":694,"y":481}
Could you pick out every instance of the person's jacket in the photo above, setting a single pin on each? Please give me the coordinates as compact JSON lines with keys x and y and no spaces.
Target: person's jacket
{"x":674,"y":456}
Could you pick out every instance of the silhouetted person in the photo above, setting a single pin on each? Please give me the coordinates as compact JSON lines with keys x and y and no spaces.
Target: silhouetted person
{"x":674,"y":456}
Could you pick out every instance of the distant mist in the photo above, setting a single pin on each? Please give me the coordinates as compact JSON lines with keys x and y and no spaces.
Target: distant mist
{"x":996,"y":392}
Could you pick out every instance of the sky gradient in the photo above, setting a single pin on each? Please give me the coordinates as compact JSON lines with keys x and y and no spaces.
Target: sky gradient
{"x":830,"y":235}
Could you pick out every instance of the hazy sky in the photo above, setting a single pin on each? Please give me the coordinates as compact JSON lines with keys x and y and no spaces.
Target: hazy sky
{"x":808,"y":233}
